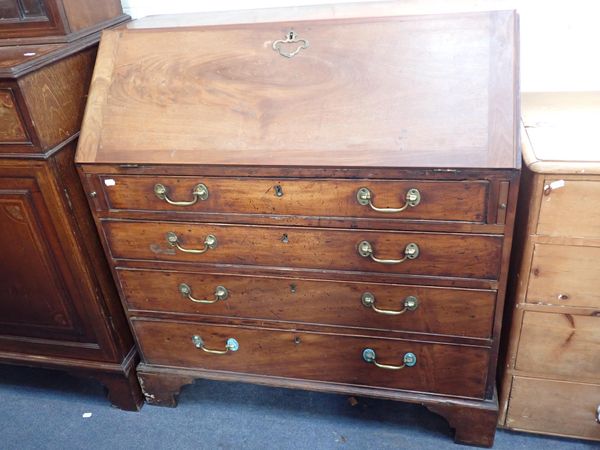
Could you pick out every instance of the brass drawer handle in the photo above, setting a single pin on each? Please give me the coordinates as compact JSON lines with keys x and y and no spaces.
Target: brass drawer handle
{"x":200,"y":192}
{"x":410,"y":304}
{"x":365,"y":249}
{"x":221,"y":293}
{"x":231,"y":345}
{"x":409,"y":360}
{"x":209,"y":243}
{"x":364,"y":196}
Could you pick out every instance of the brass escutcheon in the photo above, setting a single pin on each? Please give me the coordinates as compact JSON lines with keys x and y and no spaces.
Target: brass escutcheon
{"x":290,"y":38}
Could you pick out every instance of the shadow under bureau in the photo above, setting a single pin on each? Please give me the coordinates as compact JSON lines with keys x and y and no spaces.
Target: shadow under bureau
{"x":316,"y":204}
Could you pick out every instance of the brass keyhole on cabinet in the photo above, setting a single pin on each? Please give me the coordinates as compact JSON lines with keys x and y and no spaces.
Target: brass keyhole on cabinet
{"x":293,"y":288}
{"x":297,"y":340}
{"x":284,"y":238}
{"x":278,"y":191}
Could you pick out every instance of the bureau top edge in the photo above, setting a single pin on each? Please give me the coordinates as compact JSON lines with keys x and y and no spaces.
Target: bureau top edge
{"x":315,"y":12}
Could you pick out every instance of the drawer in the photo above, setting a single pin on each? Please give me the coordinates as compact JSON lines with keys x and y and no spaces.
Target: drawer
{"x":440,"y":368}
{"x":447,"y":311}
{"x":572,"y":210}
{"x":451,"y":255}
{"x":561,"y":345}
{"x":565,"y":275}
{"x":12,"y":129}
{"x":464,"y":201}
{"x":554,"y":407}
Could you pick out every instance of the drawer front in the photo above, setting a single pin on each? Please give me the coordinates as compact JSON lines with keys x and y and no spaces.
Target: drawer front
{"x":12,"y":129}
{"x":438,"y":200}
{"x":554,"y":407}
{"x":439,"y":368}
{"x":447,"y":311}
{"x":562,"y":345}
{"x":571,"y":210}
{"x":565,"y":275}
{"x":452,"y":255}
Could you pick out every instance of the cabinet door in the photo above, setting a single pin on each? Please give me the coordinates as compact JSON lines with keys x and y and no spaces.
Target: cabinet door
{"x":9,"y":10}
{"x":45,"y":306}
{"x":22,"y":10}
{"x":29,"y":18}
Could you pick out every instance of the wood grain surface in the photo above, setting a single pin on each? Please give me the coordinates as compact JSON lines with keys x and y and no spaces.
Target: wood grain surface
{"x":448,"y":255}
{"x":361,"y":95}
{"x":83,"y":14}
{"x":458,"y":312}
{"x":565,"y":275}
{"x":446,"y":369}
{"x":555,"y":407}
{"x":560,"y":345}
{"x":11,"y":126}
{"x":464,"y":201}
{"x":55,"y":96}
{"x":572,"y":210}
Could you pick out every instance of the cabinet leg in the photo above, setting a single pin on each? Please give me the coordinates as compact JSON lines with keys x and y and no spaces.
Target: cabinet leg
{"x":123,"y":390}
{"x":162,"y":389}
{"x":473,"y":425}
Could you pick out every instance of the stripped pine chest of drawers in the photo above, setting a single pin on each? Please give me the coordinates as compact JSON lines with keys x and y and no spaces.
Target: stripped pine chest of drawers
{"x":552,"y":355}
{"x":307,"y":202}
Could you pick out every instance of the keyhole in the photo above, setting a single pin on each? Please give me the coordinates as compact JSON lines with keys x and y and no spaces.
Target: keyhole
{"x":278,"y":191}
{"x":284,"y":238}
{"x":293,"y":288}
{"x":297,"y":340}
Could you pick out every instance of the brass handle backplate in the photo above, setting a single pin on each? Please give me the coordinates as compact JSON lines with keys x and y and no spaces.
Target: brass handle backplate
{"x":365,"y":249}
{"x":290,"y":38}
{"x":221,"y":293}
{"x":231,"y":345}
{"x":200,"y":192}
{"x":365,"y":197}
{"x":210,"y":242}
{"x":369,"y":355}
{"x":410,"y":304}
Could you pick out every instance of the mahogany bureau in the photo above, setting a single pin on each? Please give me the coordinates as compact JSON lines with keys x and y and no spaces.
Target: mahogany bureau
{"x":313,"y":203}
{"x":550,"y":383}
{"x":59,"y":307}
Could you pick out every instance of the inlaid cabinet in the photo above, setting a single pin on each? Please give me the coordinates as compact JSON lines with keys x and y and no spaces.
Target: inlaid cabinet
{"x":59,"y":308}
{"x":311,"y":202}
